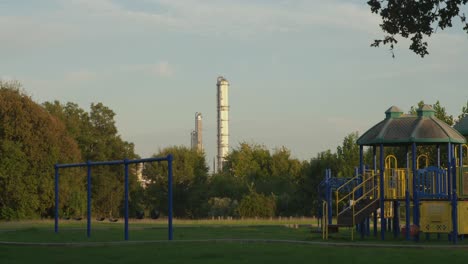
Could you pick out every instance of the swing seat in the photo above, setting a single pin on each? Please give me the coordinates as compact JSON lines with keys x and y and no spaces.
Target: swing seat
{"x":155,"y":214}
{"x":77,"y":218}
{"x":140,"y":214}
{"x":100,"y":219}
{"x":113,"y":220}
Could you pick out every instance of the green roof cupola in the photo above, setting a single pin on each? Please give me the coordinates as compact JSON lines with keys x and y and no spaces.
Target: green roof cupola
{"x":393,"y":112}
{"x":426,"y":111}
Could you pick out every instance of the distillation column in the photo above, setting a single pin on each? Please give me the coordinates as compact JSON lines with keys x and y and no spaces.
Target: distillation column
{"x":196,"y":135}
{"x":223,"y":120}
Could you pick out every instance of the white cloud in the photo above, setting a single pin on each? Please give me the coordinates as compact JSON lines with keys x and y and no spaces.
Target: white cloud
{"x":233,"y":17}
{"x":6,"y":78}
{"x":80,"y":76}
{"x":160,"y":69}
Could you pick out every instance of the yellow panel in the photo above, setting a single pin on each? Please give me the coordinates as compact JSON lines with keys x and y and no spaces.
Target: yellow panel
{"x":436,"y":217}
{"x":388,"y":213}
{"x":463,"y":217}
{"x":464,"y":181}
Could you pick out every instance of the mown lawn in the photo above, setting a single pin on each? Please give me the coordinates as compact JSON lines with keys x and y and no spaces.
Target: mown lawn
{"x":183,"y":251}
{"x":215,"y":252}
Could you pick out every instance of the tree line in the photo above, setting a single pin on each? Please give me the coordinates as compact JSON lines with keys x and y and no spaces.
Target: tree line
{"x":255,"y":181}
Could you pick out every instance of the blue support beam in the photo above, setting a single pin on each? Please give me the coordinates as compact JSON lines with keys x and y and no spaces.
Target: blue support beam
{"x":407,"y":197}
{"x":415,"y":195}
{"x":454,"y":195}
{"x":56,"y":198}
{"x":383,"y":227}
{"x":396,"y":219}
{"x":374,"y":160}
{"x":126,"y":199}
{"x":169,"y":193}
{"x":88,"y":226}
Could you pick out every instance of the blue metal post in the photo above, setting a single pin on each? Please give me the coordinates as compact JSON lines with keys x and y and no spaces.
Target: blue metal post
{"x":396,"y":218}
{"x":169,"y":193}
{"x":126,"y":198}
{"x":407,"y":197}
{"x":56,"y":197}
{"x":374,"y":159}
{"x":415,"y":195}
{"x":438,"y":156}
{"x":382,"y":203}
{"x":455,"y":198}
{"x":360,"y":172}
{"x":329,"y":197}
{"x":88,"y":226}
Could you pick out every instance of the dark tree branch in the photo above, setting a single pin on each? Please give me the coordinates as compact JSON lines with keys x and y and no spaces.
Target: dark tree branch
{"x":415,"y":20}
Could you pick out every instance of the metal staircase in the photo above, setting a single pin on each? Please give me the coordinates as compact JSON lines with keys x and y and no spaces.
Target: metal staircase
{"x":354,"y":207}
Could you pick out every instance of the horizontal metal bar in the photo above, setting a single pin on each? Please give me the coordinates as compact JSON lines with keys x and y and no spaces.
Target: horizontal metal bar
{"x":74,"y":165}
{"x":113,"y":162}
{"x":147,"y":160}
{"x":101,"y":163}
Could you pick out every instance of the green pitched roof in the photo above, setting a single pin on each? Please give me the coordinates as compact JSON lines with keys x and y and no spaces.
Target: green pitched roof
{"x":399,"y":129}
{"x":462,"y":126}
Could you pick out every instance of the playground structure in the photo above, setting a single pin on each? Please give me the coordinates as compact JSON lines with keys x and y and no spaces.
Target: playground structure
{"x":434,"y":186}
{"x":126,"y":163}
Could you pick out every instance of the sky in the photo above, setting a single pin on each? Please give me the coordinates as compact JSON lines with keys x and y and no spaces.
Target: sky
{"x":302,"y":73}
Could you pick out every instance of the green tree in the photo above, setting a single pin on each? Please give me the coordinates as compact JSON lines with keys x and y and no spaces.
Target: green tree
{"x":416,"y":20}
{"x":277,"y":173}
{"x":348,"y":155}
{"x":31,"y":142}
{"x":440,"y":112}
{"x":190,"y":174}
{"x":98,"y":139}
{"x":464,"y":111}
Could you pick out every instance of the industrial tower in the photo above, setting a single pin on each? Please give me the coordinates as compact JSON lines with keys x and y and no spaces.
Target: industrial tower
{"x":196,"y":134}
{"x":223,"y":120}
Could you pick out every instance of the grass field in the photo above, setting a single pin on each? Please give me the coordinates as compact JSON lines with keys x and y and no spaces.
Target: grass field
{"x":253,"y":245}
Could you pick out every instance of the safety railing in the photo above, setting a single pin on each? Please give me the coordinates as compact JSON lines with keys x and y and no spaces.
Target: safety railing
{"x":432,"y":183}
{"x":371,"y":193}
{"x":395,"y":182}
{"x":338,"y":190}
{"x":370,"y":190}
{"x":464,"y":149}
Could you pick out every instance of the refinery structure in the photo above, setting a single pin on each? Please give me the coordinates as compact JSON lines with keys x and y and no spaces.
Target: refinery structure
{"x":196,"y":135}
{"x":223,"y":120}
{"x":196,"y":139}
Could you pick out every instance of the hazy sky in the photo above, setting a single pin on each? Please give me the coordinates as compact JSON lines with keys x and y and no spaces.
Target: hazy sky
{"x":302,"y":73}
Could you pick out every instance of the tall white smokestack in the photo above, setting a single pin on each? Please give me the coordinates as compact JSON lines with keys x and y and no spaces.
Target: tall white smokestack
{"x":223,"y":120}
{"x":198,"y":129}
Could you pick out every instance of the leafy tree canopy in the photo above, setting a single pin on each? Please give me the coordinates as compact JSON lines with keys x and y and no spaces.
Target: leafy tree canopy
{"x":31,"y":142}
{"x":416,"y":20}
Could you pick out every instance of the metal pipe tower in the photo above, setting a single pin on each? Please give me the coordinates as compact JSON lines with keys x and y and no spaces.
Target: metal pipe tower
{"x":197,"y":143}
{"x":223,"y":120}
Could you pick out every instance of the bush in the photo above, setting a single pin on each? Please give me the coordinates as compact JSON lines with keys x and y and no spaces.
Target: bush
{"x":222,"y":206}
{"x":257,"y":205}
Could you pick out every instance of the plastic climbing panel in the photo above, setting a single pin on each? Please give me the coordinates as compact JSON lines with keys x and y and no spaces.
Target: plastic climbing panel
{"x":462,"y":174}
{"x":462,"y":217}
{"x":436,"y":217}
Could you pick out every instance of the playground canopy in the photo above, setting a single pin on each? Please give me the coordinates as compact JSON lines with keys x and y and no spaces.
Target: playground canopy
{"x":400,"y":129}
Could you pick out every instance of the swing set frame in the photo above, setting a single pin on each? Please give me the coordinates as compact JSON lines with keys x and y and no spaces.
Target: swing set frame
{"x":126,"y":163}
